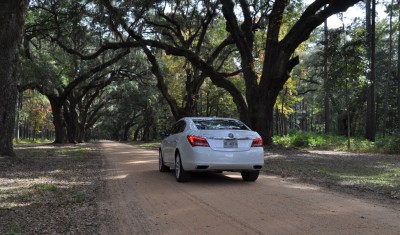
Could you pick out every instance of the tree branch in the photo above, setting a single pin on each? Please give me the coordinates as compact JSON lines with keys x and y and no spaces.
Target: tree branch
{"x":315,"y":14}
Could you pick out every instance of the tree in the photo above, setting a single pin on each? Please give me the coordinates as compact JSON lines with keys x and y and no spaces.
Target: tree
{"x":12,"y":22}
{"x":62,"y":89}
{"x":35,"y":119}
{"x":201,"y":34}
{"x":262,"y":86}
{"x":56,"y":37}
{"x":327,"y":118}
{"x":279,"y":54}
{"x":398,"y":76}
{"x":371,"y":115}
{"x":389,"y":71}
{"x":130,"y":105}
{"x":347,"y":65}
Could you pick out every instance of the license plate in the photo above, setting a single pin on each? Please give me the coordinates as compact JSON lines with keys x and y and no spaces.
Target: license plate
{"x":230,"y":144}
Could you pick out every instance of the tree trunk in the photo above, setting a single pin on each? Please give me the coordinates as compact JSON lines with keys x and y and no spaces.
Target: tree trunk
{"x":17,"y":126}
{"x":125,"y":134}
{"x":71,"y":120}
{"x":136,"y":133}
{"x":12,"y":23}
{"x":194,"y":80}
{"x":371,"y":115}
{"x":263,"y":115}
{"x":398,"y":78}
{"x":58,"y":121}
{"x":389,"y":71}
{"x":327,"y":118}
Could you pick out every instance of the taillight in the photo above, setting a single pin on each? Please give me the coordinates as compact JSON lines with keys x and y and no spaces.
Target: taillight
{"x":197,"y":141}
{"x":257,"y":142}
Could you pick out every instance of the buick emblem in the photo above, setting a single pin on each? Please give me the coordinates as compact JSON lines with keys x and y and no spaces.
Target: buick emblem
{"x":230,"y":135}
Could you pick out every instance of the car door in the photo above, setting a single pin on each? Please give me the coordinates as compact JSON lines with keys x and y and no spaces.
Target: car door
{"x":173,"y":139}
{"x":167,"y":145}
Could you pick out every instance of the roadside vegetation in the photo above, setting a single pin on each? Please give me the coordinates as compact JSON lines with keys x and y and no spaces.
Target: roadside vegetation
{"x":310,"y":140}
{"x":32,"y":141}
{"x":326,"y":160}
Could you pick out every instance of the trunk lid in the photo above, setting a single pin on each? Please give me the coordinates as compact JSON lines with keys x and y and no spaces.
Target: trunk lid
{"x":229,"y":140}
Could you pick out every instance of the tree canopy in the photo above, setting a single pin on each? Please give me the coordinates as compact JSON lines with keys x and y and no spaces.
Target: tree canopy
{"x":128,"y":69}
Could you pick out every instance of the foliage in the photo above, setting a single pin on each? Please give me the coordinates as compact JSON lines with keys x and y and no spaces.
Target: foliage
{"x":32,"y":141}
{"x":35,"y":114}
{"x":310,"y":140}
{"x":130,"y":104}
{"x":389,"y":144}
{"x":61,"y":36}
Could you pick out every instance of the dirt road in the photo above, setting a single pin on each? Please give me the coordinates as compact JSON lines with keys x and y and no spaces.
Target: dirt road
{"x":141,"y":200}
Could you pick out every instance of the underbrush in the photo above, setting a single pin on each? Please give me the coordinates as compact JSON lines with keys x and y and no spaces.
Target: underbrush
{"x":309,"y":140}
{"x":32,"y":141}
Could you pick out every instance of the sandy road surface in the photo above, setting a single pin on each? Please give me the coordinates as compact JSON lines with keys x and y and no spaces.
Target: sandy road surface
{"x":141,"y":200}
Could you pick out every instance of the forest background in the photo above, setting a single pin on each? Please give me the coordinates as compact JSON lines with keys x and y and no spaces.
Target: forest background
{"x":125,"y":70}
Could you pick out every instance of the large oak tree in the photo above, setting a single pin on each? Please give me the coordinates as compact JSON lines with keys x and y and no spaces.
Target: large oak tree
{"x":278,"y":53}
{"x":12,"y":23}
{"x":262,"y":86}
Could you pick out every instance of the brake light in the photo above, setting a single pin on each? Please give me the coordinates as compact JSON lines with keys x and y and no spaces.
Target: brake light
{"x":257,"y":142}
{"x":197,"y":141}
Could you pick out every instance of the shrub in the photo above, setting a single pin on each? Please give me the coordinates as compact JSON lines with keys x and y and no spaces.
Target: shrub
{"x":301,"y":139}
{"x":388,"y":144}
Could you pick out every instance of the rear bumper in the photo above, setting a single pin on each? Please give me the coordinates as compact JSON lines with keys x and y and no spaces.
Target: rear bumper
{"x":206,"y":159}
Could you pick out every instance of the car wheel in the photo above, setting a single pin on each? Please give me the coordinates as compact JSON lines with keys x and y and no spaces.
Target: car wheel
{"x":180,"y":173}
{"x":161,"y":166}
{"x":250,"y":175}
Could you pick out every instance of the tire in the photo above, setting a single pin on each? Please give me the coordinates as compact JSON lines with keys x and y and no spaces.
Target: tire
{"x":161,"y":166}
{"x":250,"y":175}
{"x":180,"y":174}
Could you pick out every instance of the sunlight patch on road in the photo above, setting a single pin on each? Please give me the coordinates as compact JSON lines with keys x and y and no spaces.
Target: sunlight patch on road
{"x":116,"y":177}
{"x":330,"y":152}
{"x":142,"y":162}
{"x":302,"y":187}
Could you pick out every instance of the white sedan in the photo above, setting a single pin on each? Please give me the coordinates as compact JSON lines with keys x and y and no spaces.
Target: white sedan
{"x":211,"y":144}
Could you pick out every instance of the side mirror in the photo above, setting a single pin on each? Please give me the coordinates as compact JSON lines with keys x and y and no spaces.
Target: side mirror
{"x":164,"y":134}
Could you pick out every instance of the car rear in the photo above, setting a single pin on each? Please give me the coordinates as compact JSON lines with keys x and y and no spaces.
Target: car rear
{"x":230,"y":146}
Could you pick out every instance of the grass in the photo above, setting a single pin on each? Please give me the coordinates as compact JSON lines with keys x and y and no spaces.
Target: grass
{"x":30,"y":141}
{"x":74,"y":152}
{"x":45,"y":187}
{"x":151,"y":145}
{"x":378,"y":173}
{"x":309,"y":140}
{"x":14,"y":230}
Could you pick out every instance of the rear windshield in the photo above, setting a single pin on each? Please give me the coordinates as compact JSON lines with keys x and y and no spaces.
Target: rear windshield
{"x":219,"y":124}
